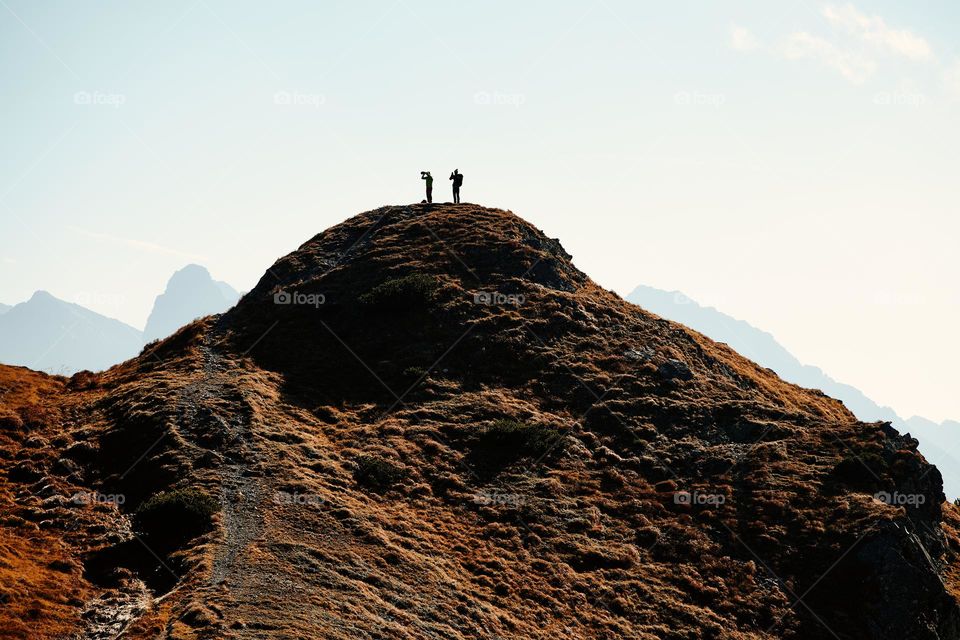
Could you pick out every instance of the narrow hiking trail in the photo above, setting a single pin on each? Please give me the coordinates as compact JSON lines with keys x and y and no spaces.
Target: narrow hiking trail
{"x":198,"y":409}
{"x":241,"y":487}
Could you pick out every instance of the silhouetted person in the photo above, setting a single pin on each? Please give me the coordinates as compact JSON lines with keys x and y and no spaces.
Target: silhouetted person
{"x":425,"y":175}
{"x":457,"y":178}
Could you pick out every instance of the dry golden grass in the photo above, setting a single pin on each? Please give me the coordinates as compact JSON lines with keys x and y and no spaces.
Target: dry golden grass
{"x":347,"y":513}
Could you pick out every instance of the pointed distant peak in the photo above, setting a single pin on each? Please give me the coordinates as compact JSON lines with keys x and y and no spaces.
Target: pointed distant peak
{"x":191,"y":293}
{"x":43,"y":296}
{"x":191,"y":273}
{"x":194,"y":278}
{"x":194,"y":268}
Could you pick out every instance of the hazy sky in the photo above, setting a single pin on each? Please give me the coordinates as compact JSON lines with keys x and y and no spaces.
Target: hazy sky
{"x":792,"y":163}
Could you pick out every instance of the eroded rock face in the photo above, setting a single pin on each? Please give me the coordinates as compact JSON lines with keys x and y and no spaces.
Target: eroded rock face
{"x":902,"y":582}
{"x":675,"y":370}
{"x":444,"y":429}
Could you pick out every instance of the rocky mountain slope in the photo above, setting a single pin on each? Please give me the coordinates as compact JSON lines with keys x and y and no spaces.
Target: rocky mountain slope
{"x":936,"y":440}
{"x":757,"y":345}
{"x":427,"y":423}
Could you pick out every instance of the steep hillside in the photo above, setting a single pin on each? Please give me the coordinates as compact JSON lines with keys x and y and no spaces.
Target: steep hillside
{"x":936,"y":440}
{"x":427,"y":423}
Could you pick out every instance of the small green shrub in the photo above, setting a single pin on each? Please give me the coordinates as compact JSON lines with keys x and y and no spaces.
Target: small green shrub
{"x":168,"y":520}
{"x":505,"y":441}
{"x":413,"y":374}
{"x":405,"y":293}
{"x":377,"y":473}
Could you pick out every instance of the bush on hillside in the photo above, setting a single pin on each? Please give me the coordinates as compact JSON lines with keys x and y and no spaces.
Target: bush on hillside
{"x":378,"y":473}
{"x":169,"y":519}
{"x":406,"y":293}
{"x":507,"y":440}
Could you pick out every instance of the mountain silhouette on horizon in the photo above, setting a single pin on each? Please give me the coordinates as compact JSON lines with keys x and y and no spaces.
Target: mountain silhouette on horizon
{"x":191,"y":293}
{"x":49,"y":334}
{"x":54,"y":336}
{"x":937,"y":441}
{"x":427,"y":422}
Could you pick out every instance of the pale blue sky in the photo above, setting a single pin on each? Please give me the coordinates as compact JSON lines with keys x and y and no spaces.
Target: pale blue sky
{"x":793,"y":163}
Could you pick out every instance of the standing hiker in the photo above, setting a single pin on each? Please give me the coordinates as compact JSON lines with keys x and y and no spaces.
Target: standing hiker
{"x":457,"y":178}
{"x":425,"y":175}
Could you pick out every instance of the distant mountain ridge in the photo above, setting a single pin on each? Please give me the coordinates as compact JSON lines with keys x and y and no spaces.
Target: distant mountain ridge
{"x":191,"y":293}
{"x":54,"y":336}
{"x":58,"y":337}
{"x":938,"y":442}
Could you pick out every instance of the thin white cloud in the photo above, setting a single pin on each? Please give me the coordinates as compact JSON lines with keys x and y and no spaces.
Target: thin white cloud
{"x":874,"y":30}
{"x":852,"y":65}
{"x":742,"y":39}
{"x":139,"y":245}
{"x":855,"y":48}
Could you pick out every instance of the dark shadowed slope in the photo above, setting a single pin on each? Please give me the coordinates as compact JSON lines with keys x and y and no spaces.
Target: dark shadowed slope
{"x":427,"y":423}
{"x":51,"y":335}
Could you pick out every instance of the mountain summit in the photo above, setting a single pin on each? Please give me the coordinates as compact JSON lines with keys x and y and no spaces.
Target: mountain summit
{"x":426,"y":422}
